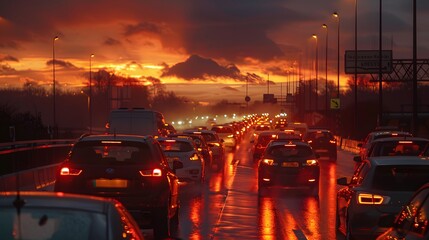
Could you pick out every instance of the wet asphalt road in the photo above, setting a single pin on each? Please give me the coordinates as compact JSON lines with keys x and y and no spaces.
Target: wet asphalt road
{"x":227,"y":206}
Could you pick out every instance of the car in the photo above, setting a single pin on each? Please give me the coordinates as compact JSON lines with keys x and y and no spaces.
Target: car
{"x":215,"y":144}
{"x":301,"y":127}
{"x":292,"y":164}
{"x":412,"y":222}
{"x":130,"y":168}
{"x":138,"y":121}
{"x":56,"y":215}
{"x":202,"y":146}
{"x":228,"y":134}
{"x":261,"y":142}
{"x":395,"y":146}
{"x":185,"y":151}
{"x":368,"y":204}
{"x":323,"y":142}
{"x":378,"y":134}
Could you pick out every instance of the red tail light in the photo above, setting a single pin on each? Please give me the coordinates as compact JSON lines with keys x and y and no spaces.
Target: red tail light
{"x":151,"y":173}
{"x":65,"y":171}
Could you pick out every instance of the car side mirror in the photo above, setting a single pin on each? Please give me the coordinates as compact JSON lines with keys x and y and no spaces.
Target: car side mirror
{"x":342,"y":181}
{"x":357,"y":159}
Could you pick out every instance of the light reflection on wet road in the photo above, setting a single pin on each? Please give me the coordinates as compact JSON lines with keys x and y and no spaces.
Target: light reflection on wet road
{"x":227,"y":205}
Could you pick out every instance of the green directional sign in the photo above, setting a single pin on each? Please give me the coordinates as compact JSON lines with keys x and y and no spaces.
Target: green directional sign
{"x":335,"y":103}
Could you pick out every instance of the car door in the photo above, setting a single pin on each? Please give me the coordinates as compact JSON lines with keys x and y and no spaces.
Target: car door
{"x":346,"y":194}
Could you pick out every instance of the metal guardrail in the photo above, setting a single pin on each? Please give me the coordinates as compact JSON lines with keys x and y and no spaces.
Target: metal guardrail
{"x":347,"y":144}
{"x":10,"y":147}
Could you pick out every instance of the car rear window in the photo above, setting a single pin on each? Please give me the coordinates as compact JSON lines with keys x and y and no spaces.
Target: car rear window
{"x":223,"y":130}
{"x":290,"y":150}
{"x":398,"y":148}
{"x":319,"y":134}
{"x":52,"y":223}
{"x":400,"y":178}
{"x":176,"y":146}
{"x":108,"y":152}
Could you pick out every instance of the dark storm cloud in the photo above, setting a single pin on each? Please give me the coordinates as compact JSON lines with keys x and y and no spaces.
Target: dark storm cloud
{"x":222,"y":29}
{"x":196,"y":67}
{"x":63,"y":64}
{"x":235,"y":30}
{"x":9,"y":45}
{"x":8,"y":58}
{"x":6,"y":69}
{"x":111,"y":42}
{"x":144,"y":27}
{"x":231,"y":89}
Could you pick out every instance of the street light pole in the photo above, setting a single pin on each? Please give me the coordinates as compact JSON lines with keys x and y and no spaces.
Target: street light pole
{"x":380,"y":73}
{"x":337,"y":16}
{"x":356,"y":105}
{"x":317,"y":69}
{"x":53,"y":86}
{"x":326,"y":69}
{"x":90,"y":93}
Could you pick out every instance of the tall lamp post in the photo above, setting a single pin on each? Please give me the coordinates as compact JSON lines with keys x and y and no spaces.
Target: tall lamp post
{"x":90,"y":93}
{"x":53,"y":85}
{"x":317,"y":69}
{"x":326,"y":68}
{"x":337,"y":16}
{"x":356,"y":105}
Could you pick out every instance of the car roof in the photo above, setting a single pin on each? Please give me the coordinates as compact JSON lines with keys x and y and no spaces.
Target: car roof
{"x":398,"y":160}
{"x":59,"y":200}
{"x":177,"y":139}
{"x":390,"y":139}
{"x":390,"y":132}
{"x":283,"y":142}
{"x":318,"y":130}
{"x":197,"y":131}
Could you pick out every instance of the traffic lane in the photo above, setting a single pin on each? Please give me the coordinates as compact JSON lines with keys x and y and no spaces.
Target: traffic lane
{"x":227,"y":204}
{"x":201,"y":204}
{"x":299,"y":216}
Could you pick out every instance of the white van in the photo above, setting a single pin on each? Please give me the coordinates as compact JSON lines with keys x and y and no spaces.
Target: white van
{"x":137,"y":121}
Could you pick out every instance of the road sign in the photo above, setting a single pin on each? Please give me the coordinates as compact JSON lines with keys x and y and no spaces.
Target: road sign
{"x":335,"y":103}
{"x":368,"y":61}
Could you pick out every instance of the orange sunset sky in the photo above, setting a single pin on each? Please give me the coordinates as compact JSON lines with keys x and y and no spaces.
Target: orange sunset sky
{"x":202,"y":49}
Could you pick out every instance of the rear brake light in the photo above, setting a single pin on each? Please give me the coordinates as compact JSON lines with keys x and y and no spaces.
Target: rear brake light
{"x":194,"y":157}
{"x":311,"y":162}
{"x":372,"y":199}
{"x":151,"y":173}
{"x":65,"y":171}
{"x":268,"y":161}
{"x":310,"y":141}
{"x":332,"y":141}
{"x":111,"y":142}
{"x":406,"y":142}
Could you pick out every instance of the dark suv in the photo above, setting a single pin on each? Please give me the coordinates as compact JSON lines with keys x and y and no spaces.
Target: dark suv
{"x":323,"y":142}
{"x":288,"y":165}
{"x":131,"y":169}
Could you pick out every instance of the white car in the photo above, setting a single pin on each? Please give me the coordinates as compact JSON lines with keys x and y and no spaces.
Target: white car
{"x":227,"y":134}
{"x":184,"y":150}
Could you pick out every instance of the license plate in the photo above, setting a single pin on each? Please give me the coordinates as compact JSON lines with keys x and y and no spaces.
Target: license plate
{"x":321,"y":150}
{"x":290,"y":164}
{"x":111,"y":183}
{"x":172,"y":159}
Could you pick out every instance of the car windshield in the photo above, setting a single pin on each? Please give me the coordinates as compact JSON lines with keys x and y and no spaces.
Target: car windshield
{"x":398,"y":148}
{"x":223,"y":130}
{"x":290,"y":150}
{"x":51,"y":223}
{"x":108,"y":152}
{"x":400,"y":178}
{"x":319,"y":135}
{"x":176,"y":146}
